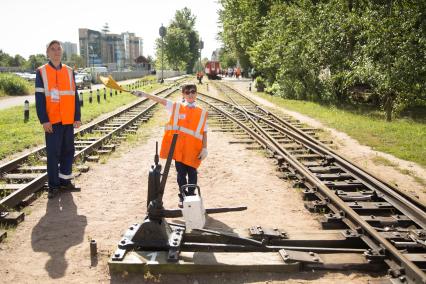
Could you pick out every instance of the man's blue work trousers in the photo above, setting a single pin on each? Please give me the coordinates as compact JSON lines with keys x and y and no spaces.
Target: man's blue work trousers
{"x":60,"y":154}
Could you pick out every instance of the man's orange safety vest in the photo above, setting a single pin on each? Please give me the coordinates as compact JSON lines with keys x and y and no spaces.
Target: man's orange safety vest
{"x":59,"y":89}
{"x":189,"y":123}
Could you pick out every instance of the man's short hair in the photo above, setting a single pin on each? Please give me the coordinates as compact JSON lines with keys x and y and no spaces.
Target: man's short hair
{"x":189,"y":86}
{"x":52,"y":42}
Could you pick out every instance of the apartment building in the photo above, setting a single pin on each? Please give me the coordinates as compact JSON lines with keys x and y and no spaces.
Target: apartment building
{"x":69,"y":49}
{"x":116,"y":51}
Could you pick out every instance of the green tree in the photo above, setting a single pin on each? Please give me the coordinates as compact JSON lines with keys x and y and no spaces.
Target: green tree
{"x":35,"y":61}
{"x":185,"y":21}
{"x":396,"y":50}
{"x":18,"y":61}
{"x":5,"y":59}
{"x":337,"y":51}
{"x":176,"y":47}
{"x":181,"y":43}
{"x":283,"y":51}
{"x":227,"y":58}
{"x":76,"y":60}
{"x":241,"y":22}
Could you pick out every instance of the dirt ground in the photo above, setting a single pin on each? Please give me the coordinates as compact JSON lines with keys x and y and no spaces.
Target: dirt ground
{"x":52,"y":244}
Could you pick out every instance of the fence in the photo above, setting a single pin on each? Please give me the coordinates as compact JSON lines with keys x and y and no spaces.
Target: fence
{"x":103,"y":92}
{"x":12,"y":69}
{"x":169,"y":73}
{"x":120,"y":75}
{"x":125,"y":75}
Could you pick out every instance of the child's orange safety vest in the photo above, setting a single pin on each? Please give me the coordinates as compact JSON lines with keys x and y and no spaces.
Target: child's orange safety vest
{"x":189,"y":123}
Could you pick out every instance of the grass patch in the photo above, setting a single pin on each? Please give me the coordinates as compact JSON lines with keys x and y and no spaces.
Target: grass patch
{"x":17,"y":135}
{"x":402,"y":138}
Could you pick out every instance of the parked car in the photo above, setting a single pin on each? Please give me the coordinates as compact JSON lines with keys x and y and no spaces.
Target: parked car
{"x":83,"y":80}
{"x":26,"y":76}
{"x":94,"y":72}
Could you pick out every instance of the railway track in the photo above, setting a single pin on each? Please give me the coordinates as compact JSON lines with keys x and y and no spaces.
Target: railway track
{"x":23,"y":178}
{"x":388,"y":223}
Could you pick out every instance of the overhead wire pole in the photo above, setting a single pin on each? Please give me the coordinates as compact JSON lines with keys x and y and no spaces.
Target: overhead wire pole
{"x":201,"y":47}
{"x":163,"y":32}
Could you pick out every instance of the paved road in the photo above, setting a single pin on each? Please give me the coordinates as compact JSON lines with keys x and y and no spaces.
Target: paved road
{"x":7,"y":102}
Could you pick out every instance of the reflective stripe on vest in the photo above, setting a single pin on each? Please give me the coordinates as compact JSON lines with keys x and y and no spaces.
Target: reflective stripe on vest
{"x":196,"y":133}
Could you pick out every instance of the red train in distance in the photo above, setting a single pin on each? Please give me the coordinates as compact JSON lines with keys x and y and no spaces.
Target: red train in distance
{"x":212,"y":69}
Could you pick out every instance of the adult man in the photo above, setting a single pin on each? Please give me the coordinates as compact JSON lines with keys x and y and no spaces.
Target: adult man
{"x":190,"y":122}
{"x":58,"y":109}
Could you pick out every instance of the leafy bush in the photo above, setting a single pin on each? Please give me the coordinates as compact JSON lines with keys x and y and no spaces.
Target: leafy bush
{"x":259,"y":83}
{"x":274,"y":89}
{"x":13,"y":85}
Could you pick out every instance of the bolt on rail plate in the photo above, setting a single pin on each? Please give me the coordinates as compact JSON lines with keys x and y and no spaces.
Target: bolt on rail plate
{"x":290,"y":256}
{"x":258,"y":232}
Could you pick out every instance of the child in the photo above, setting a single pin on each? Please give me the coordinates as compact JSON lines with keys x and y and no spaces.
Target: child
{"x":190,"y":122}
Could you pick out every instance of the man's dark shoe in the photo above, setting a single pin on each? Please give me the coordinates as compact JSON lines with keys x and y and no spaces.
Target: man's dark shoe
{"x":52,"y":192}
{"x":70,"y":187}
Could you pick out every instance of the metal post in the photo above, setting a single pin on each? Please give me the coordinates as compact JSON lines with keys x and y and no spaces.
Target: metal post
{"x":110,"y":92}
{"x":81,"y":99}
{"x":93,"y":248}
{"x":91,"y":96}
{"x":98,"y":96}
{"x":162,"y":60}
{"x":167,"y":167}
{"x":201,"y":47}
{"x":104,"y":93}
{"x":163,"y":32}
{"x":26,"y":111}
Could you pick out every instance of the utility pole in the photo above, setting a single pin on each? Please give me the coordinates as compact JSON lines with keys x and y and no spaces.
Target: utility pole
{"x":163,"y":32}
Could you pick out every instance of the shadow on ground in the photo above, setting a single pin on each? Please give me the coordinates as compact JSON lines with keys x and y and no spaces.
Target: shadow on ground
{"x":57,"y":231}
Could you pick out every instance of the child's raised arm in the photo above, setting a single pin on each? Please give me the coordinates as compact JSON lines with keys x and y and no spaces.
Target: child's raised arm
{"x":155,"y":98}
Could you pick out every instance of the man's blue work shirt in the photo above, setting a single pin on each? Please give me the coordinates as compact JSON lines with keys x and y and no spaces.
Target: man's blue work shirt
{"x":40,"y":98}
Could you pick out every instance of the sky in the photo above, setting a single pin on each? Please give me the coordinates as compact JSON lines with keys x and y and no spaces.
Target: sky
{"x":26,"y":26}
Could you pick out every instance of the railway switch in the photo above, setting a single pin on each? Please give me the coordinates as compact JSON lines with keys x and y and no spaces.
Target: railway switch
{"x":154,"y":233}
